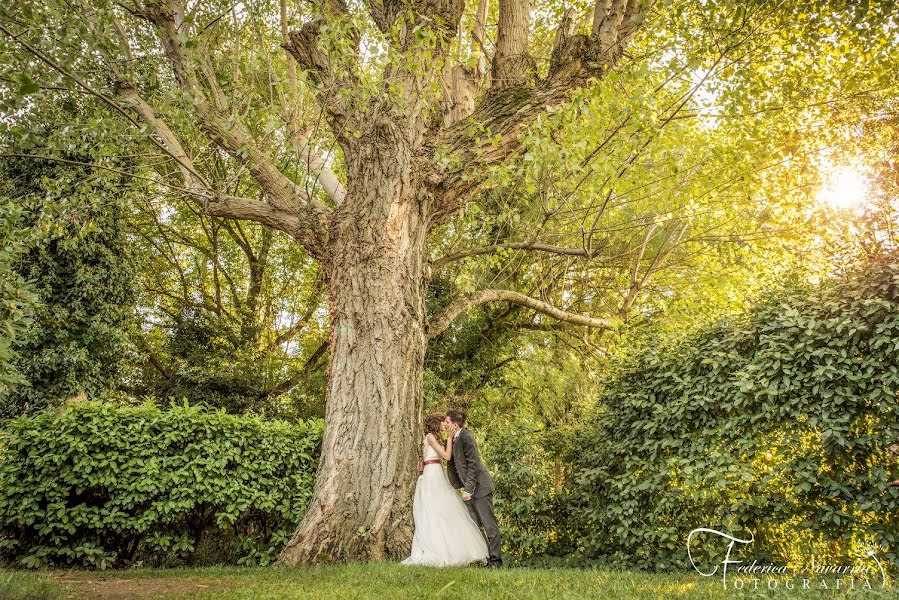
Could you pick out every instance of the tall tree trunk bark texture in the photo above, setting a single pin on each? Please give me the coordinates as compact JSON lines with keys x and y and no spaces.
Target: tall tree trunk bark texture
{"x":361,"y":505}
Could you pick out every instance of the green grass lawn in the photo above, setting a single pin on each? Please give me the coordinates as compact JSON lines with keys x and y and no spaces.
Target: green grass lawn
{"x":390,"y":581}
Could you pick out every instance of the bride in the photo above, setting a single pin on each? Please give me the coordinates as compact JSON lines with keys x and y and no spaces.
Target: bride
{"x":445,"y":535}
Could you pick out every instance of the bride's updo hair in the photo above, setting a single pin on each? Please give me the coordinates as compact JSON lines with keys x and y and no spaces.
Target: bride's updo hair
{"x":432,"y":424}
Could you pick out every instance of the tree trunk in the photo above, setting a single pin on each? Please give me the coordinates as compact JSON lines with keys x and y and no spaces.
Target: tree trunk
{"x":512,"y":65}
{"x":361,"y":506}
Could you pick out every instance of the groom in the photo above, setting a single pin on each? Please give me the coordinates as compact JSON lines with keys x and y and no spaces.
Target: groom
{"x":466,"y":471}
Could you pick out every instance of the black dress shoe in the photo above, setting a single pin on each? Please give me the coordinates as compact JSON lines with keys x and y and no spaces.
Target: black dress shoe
{"x":494,"y":565}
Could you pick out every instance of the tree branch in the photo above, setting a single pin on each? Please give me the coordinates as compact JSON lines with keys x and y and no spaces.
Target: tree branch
{"x":535,"y":246}
{"x":316,"y":165}
{"x":192,"y":180}
{"x":492,"y":133}
{"x":261,"y":212}
{"x":290,"y":205}
{"x":441,"y":321}
{"x":303,"y":46}
{"x":84,"y":86}
{"x":329,"y":72}
{"x":478,"y":37}
{"x":154,"y":360}
{"x":288,"y":333}
{"x":637,"y":284}
{"x":307,"y":368}
{"x":318,"y":168}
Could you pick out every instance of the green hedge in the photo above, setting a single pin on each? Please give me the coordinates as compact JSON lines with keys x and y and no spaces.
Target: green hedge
{"x":531,"y":502}
{"x":776,"y":422}
{"x":103,"y":486}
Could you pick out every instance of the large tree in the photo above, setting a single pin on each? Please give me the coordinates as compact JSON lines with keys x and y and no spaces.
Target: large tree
{"x":361,"y":130}
{"x":413,"y":157}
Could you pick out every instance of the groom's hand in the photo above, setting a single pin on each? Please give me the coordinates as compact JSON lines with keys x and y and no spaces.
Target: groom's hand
{"x":466,"y":496}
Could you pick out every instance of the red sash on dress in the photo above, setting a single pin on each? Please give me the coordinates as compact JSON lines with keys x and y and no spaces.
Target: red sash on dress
{"x":421,"y":465}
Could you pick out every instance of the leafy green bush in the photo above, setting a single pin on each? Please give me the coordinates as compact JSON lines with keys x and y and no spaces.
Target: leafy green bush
{"x":531,"y":501}
{"x":98,"y":485}
{"x":776,"y":422}
{"x":16,"y":297}
{"x":79,"y":262}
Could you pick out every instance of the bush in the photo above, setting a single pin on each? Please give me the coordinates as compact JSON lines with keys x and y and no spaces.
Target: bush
{"x":776,"y":422}
{"x":79,"y":262}
{"x":103,"y":486}
{"x":531,"y":501}
{"x":16,"y":297}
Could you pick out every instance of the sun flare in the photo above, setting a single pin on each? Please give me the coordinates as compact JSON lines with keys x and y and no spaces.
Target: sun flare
{"x":845,"y":188}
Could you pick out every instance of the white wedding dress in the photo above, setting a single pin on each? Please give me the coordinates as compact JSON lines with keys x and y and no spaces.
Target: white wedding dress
{"x":445,"y":535}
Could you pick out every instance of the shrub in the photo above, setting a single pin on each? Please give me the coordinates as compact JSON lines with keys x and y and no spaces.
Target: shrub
{"x":79,"y":262}
{"x":776,"y":422}
{"x":531,"y":500}
{"x":100,"y":486}
{"x":16,"y":297}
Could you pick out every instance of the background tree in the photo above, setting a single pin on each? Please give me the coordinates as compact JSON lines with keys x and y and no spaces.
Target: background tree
{"x":16,"y":298}
{"x":231,"y":314}
{"x":83,"y":274}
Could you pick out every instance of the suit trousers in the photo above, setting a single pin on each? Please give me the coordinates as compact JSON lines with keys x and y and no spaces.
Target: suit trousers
{"x":481,"y":511}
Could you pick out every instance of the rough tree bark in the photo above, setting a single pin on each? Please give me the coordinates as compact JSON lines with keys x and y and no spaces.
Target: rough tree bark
{"x":512,"y":65}
{"x":377,"y":278}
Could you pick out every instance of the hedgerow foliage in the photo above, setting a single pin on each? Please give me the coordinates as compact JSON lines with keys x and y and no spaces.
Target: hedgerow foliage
{"x":531,"y":503}
{"x":80,"y":264}
{"x":776,"y":422}
{"x":98,"y":485}
{"x":16,"y":297}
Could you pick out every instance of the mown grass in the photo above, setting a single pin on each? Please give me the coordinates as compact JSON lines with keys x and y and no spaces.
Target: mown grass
{"x":391,"y":581}
{"x":26,"y":585}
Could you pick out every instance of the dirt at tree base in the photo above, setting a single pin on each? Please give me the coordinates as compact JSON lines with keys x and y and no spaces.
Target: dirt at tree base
{"x":107,"y":586}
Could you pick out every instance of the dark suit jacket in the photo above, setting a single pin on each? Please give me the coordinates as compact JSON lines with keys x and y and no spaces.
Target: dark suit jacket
{"x":465,"y":469}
